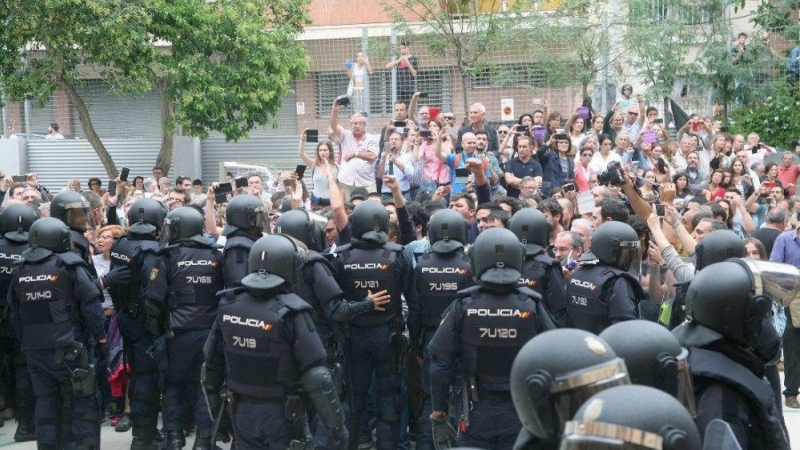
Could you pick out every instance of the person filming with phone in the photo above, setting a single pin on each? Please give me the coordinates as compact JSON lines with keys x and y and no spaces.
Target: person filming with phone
{"x":396,"y":163}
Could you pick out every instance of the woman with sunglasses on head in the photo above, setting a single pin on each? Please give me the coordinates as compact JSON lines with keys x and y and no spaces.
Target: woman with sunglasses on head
{"x":320,"y":196}
{"x":576,"y":126}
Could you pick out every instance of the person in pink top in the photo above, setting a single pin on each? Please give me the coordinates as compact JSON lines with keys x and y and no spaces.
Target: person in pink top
{"x":435,"y":172}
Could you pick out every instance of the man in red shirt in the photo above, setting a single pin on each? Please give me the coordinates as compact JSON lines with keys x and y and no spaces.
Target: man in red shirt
{"x":788,"y":172}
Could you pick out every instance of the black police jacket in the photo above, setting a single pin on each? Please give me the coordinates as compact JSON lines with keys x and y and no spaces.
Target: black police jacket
{"x":185,"y":281}
{"x":235,"y":258}
{"x":267,"y":342}
{"x":81,"y":246}
{"x":10,"y":255}
{"x":438,"y":277}
{"x":729,"y":391}
{"x":483,"y":331}
{"x":317,"y":287}
{"x":543,"y":274}
{"x":600,"y":295}
{"x":130,"y":252}
{"x":53,"y":301}
{"x":366,"y":267}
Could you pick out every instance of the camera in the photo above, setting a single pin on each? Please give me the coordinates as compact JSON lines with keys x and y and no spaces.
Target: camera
{"x":613,"y":175}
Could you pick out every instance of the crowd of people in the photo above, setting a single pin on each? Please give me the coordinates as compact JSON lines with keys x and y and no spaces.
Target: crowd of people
{"x":443,"y":283}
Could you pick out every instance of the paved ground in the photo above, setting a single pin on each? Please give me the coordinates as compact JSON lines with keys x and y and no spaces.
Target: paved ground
{"x":112,"y":440}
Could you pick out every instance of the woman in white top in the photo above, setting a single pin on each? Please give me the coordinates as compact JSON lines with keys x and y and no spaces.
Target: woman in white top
{"x":320,"y":195}
{"x":357,"y":74}
{"x":575,"y":128}
{"x":600,"y":160}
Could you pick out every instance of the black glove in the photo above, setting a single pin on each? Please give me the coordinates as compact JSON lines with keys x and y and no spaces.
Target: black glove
{"x":101,"y":354}
{"x":444,"y":435}
{"x":117,"y":277}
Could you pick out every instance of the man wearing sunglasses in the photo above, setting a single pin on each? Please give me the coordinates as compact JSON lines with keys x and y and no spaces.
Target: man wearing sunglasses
{"x":634,"y":119}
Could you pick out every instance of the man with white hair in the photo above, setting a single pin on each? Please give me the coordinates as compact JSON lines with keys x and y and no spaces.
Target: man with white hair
{"x":359,"y":151}
{"x":477,"y":123}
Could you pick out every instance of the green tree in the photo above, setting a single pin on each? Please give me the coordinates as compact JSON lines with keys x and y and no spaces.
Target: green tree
{"x":467,"y":32}
{"x":229,"y":63}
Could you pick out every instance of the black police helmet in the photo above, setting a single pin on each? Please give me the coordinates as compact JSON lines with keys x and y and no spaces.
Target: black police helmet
{"x":628,"y":417}
{"x":146,"y":216}
{"x":16,"y":220}
{"x":654,"y":358}
{"x":718,"y":246}
{"x":626,"y":87}
{"x":447,"y":231}
{"x":73,"y":209}
{"x":245,"y":212}
{"x":721,"y":303}
{"x":370,"y":222}
{"x":616,"y":244}
{"x":555,"y":372}
{"x":297,"y":224}
{"x":497,"y":257}
{"x":531,"y":227}
{"x":183,"y":223}
{"x":46,"y":236}
{"x":274,"y":260}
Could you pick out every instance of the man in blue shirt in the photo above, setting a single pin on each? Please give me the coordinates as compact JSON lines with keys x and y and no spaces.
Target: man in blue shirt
{"x":459,"y":160}
{"x":521,"y":166}
{"x":787,"y":250}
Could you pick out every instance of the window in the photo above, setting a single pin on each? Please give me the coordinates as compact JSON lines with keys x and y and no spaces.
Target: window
{"x":435,"y":82}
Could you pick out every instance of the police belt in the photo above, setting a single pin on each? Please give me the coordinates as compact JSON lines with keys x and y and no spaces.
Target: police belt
{"x":258,"y":400}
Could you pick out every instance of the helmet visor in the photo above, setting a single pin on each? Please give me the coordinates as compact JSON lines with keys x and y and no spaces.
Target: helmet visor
{"x":262,"y":220}
{"x":601,"y":436}
{"x":779,"y":282}
{"x":572,"y":390}
{"x":685,"y":388}
{"x":630,"y":257}
{"x":166,"y":233}
{"x":78,"y":215}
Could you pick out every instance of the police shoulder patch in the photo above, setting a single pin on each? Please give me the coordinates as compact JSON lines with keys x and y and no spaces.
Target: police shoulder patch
{"x":153,"y":273}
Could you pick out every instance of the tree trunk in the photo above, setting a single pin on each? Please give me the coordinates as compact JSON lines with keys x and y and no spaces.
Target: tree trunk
{"x":464,"y":91}
{"x":88,"y":127}
{"x":164,"y":159}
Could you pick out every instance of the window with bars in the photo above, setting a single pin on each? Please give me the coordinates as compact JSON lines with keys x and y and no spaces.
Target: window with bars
{"x":435,"y":82}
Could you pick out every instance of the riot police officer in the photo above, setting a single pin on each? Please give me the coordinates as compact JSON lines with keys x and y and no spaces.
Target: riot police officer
{"x":73,"y":209}
{"x":605,"y":293}
{"x":654,"y":358}
{"x":725,"y":307}
{"x":134,"y":252}
{"x":317,"y":286}
{"x":553,"y":375}
{"x":540,"y":272}
{"x":440,"y":273}
{"x":51,"y":281}
{"x":15,"y":221}
{"x":627,"y":417}
{"x":247,"y":218}
{"x":368,"y":265}
{"x":721,"y":245}
{"x":182,"y":288}
{"x":482,"y":331}
{"x":264,"y":346}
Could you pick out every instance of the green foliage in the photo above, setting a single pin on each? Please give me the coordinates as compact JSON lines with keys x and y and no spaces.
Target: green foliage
{"x":775,"y":118}
{"x":229,"y":65}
